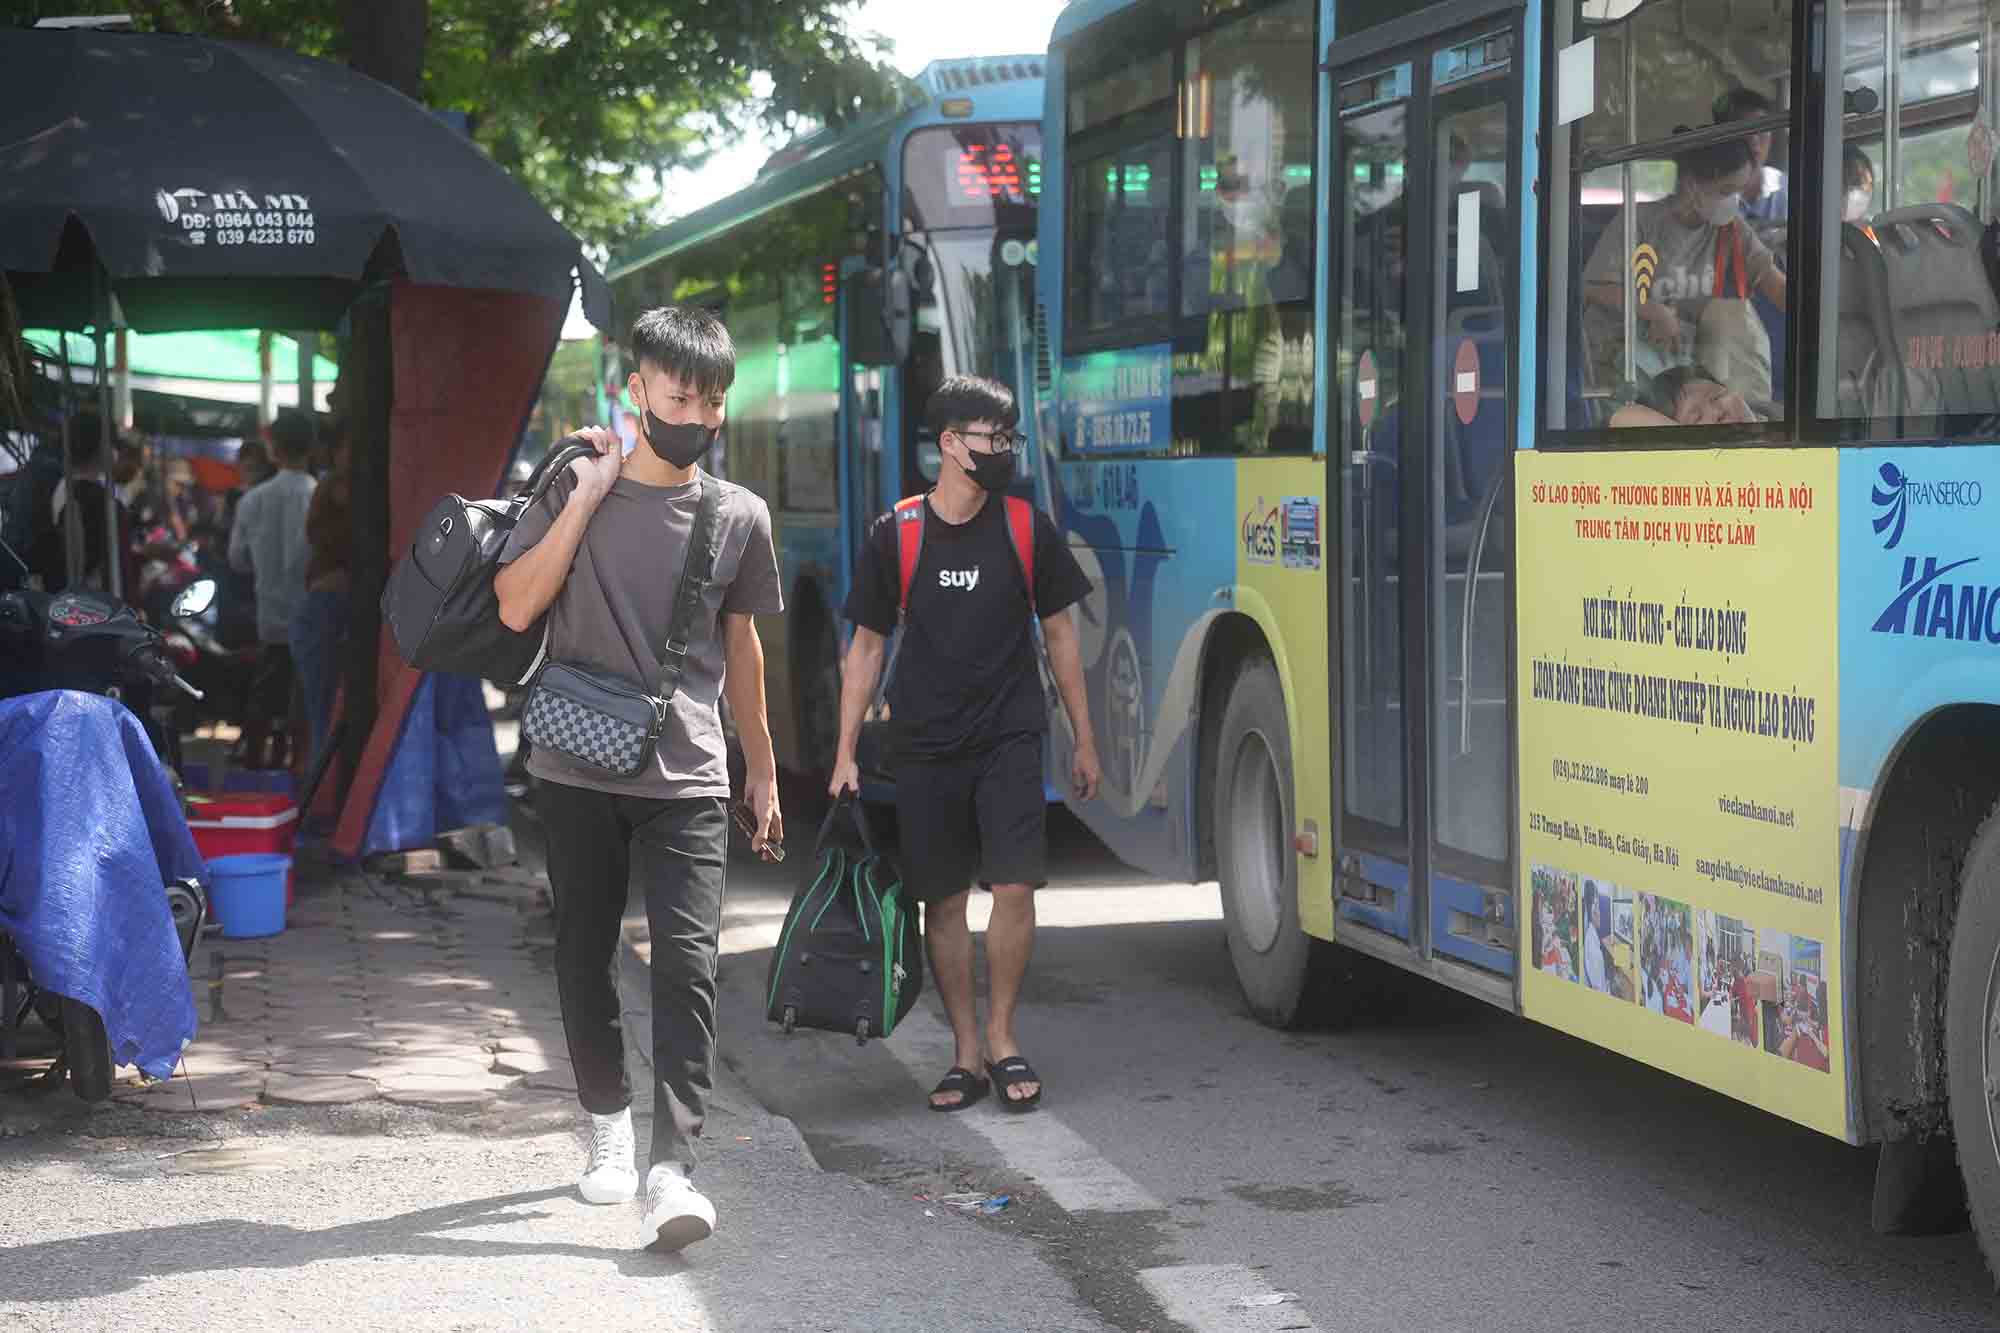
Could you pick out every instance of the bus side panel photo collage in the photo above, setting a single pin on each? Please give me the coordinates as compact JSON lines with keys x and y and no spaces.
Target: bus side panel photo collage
{"x":1764,"y":989}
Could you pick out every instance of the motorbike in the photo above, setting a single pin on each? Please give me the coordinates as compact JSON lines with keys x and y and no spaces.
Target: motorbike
{"x":220,"y":670}
{"x":183,"y":595}
{"x":88,"y":641}
{"x":166,"y":568}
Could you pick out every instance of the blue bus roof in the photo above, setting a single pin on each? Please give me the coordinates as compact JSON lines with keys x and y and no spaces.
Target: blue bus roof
{"x":1082,"y":13}
{"x":1006,"y":88}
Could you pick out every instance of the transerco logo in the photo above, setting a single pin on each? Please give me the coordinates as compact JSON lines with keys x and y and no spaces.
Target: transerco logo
{"x":1896,"y":492}
{"x":1937,"y":597}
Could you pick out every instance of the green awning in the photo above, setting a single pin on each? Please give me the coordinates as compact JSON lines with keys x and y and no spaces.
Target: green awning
{"x":225,"y":355}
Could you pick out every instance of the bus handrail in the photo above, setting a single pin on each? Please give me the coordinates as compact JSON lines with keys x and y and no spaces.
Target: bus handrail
{"x":1465,"y":621}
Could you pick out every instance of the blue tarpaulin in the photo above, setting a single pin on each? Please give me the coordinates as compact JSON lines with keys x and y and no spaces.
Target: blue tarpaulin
{"x":90,"y":833}
{"x":445,"y":773}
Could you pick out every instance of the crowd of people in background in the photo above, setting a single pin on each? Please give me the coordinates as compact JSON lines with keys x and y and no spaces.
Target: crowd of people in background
{"x":275,"y":543}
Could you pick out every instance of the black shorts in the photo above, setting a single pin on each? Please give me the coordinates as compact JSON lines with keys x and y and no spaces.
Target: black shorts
{"x":985,"y":816}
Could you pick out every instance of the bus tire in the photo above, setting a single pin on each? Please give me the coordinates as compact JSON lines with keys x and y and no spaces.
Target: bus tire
{"x":1972,"y":1044}
{"x":1285,"y":974}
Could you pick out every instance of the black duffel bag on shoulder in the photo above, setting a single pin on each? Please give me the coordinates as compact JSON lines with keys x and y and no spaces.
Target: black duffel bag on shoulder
{"x":439,"y":600}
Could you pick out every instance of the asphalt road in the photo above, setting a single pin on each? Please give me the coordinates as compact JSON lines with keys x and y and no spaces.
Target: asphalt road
{"x":1439,"y":1166}
{"x":384,"y":1215}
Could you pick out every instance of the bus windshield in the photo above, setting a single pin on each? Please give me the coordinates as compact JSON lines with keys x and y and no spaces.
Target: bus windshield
{"x":974,"y":318}
{"x":984,"y":291}
{"x":969,"y":198}
{"x":972,"y":176}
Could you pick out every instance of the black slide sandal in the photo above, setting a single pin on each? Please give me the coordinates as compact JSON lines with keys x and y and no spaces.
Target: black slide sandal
{"x":969,"y":1086}
{"x":1009,"y":1072}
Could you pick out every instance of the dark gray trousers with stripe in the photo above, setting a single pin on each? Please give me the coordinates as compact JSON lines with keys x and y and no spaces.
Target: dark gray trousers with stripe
{"x":603,"y":848}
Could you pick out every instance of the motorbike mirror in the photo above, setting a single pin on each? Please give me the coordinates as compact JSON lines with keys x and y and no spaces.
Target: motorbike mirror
{"x":196,"y":598}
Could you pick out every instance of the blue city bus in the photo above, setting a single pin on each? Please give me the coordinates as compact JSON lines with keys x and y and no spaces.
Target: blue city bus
{"x":862,"y":267}
{"x":1497,"y":577}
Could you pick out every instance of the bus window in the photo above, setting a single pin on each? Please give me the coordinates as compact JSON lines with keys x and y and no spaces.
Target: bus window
{"x":808,"y":449}
{"x":1914,"y":345}
{"x":1118,"y":237}
{"x":1120,"y":139}
{"x":1243,"y":379}
{"x":1671,"y":237}
{"x":1118,"y":92}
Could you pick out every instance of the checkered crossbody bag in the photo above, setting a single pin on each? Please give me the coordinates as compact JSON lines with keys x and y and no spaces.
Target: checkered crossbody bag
{"x":603,"y":721}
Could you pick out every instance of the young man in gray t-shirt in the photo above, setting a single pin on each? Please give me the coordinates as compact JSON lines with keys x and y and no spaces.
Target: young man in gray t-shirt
{"x":602,"y":554}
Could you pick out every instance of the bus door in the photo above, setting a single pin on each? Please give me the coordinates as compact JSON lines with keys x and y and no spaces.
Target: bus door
{"x":1424,"y":205}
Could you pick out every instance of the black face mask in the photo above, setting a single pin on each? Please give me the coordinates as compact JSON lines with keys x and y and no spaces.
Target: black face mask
{"x":681,"y":445}
{"x":993,"y":472}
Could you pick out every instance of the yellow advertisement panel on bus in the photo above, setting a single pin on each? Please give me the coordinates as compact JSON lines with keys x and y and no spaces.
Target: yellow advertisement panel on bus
{"x":1679,"y":744}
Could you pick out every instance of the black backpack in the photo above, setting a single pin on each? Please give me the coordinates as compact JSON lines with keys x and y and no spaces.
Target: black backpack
{"x":439,"y":601}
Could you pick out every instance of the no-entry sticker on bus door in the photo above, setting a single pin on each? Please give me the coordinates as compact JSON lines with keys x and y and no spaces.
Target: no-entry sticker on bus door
{"x":1465,"y":382}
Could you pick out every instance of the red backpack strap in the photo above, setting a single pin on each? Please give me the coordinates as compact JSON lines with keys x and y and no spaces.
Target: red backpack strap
{"x":1729,"y":246}
{"x":1021,"y":527}
{"x":909,"y":545}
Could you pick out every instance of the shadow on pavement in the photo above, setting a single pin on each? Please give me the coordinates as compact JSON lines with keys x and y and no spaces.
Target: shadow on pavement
{"x":81,"y":1267}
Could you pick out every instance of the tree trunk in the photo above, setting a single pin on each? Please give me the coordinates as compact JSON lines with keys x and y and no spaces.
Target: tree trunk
{"x":385,"y":41}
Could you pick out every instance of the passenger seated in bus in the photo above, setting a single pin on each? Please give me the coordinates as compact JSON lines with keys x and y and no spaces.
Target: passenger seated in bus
{"x":1766,"y":197}
{"x":1766,"y":207}
{"x":1686,"y":396}
{"x":1857,"y":178}
{"x":1694,"y":265}
{"x":1291,"y":277}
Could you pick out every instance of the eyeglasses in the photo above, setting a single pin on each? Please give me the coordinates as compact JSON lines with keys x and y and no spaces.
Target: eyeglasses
{"x":1003,"y":440}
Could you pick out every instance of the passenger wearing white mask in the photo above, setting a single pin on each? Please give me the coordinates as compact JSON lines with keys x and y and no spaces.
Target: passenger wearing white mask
{"x":1766,"y":196}
{"x":1692,"y":269}
{"x":1857,"y":201}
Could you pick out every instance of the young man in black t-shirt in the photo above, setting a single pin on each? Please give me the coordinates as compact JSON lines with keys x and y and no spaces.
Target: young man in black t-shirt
{"x":969,"y":717}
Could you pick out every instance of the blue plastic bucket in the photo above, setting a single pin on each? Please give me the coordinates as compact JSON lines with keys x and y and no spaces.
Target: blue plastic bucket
{"x":249,"y":893}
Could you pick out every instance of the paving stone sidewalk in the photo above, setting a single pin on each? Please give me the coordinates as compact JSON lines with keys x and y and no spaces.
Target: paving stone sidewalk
{"x":376,"y":989}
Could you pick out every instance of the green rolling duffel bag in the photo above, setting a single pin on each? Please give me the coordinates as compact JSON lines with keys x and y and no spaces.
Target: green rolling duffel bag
{"x":850,"y":958}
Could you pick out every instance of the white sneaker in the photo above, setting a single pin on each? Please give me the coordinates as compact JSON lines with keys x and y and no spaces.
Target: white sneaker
{"x":677,"y":1214}
{"x":611,"y":1177}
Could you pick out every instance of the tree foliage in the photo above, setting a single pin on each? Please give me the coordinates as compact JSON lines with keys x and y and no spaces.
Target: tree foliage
{"x":586,"y":102}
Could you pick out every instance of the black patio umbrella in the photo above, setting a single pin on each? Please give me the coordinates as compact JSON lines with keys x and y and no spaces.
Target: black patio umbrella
{"x":209,"y":184}
{"x":226,"y":185}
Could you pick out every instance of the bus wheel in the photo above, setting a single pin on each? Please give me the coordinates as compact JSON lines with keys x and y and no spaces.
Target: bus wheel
{"x":1283,"y":971}
{"x":1972,"y":1035}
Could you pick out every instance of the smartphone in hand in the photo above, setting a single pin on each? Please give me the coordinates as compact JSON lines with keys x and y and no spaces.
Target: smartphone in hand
{"x":746,"y":819}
